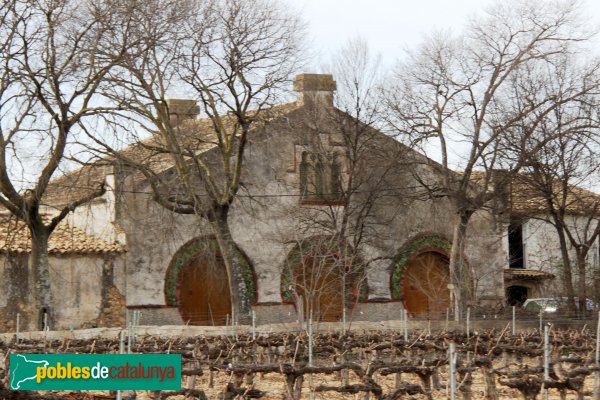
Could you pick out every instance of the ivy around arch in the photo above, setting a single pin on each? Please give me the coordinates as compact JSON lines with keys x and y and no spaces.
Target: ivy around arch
{"x":191,"y":249}
{"x":431,"y":242}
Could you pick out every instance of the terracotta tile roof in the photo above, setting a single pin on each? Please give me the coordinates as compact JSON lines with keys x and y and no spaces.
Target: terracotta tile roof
{"x":527,"y":274}
{"x":197,"y":134}
{"x":77,"y":184}
{"x":84,"y":181}
{"x":525,"y":195}
{"x":66,"y":239}
{"x":528,"y":197}
{"x":194,"y":134}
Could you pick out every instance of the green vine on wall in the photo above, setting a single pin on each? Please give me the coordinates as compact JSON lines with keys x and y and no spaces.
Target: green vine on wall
{"x":191,"y":249}
{"x":434,"y":242}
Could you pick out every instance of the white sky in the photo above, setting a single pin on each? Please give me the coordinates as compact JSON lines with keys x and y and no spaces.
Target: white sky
{"x":389,"y":26}
{"x":392,"y":26}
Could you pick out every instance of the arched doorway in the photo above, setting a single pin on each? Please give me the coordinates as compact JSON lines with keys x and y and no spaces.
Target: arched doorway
{"x":425,"y":282}
{"x":204,"y":297}
{"x":324,"y":276}
{"x":516,"y":295}
{"x":197,"y":283}
{"x":318,"y":282}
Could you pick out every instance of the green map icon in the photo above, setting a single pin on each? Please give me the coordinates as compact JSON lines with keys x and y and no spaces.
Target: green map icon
{"x":23,"y":369}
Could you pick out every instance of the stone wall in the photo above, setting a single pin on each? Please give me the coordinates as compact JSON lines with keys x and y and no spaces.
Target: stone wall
{"x":157,"y":315}
{"x":153,"y":237}
{"x":83,"y":288}
{"x":15,"y":296}
{"x":275,"y":313}
{"x":380,"y":311}
{"x":542,"y":252}
{"x":267,"y":225}
{"x":112,"y":307}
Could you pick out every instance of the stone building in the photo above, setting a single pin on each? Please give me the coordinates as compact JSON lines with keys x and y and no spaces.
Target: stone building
{"x":535,"y":266}
{"x":83,"y":269}
{"x":297,"y":170}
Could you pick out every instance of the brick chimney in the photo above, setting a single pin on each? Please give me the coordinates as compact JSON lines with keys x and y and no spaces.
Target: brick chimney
{"x":315,"y":88}
{"x":182,"y":109}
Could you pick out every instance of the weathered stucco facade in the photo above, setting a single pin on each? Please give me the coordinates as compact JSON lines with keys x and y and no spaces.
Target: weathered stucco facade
{"x":271,"y":218}
{"x":296,"y":167}
{"x":542,"y":254}
{"x":86,"y":280}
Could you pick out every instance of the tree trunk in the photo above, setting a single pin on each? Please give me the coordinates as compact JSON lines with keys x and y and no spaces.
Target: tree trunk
{"x":237,"y":285}
{"x":581,"y":287}
{"x":40,"y":265}
{"x":567,"y":274}
{"x":459,"y":274}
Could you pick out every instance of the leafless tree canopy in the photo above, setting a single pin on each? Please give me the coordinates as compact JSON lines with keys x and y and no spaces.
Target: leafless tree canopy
{"x":234,"y":58}
{"x":511,"y":92}
{"x":457,"y":94}
{"x":568,"y":138}
{"x":345,"y":182}
{"x":53,"y":57}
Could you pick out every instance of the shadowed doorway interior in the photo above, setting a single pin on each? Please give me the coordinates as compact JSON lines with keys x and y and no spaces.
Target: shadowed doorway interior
{"x":516,"y":295}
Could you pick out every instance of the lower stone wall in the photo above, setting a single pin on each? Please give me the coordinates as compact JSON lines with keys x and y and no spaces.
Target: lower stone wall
{"x":282,"y":313}
{"x":163,"y":315}
{"x":285,"y":313}
{"x":112,"y":313}
{"x":414,"y":327}
{"x":15,"y":295}
{"x":380,"y":311}
{"x":7,"y":322}
{"x":166,"y":315}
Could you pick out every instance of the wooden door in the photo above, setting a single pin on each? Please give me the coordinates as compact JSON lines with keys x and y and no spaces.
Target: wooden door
{"x":425,"y":285}
{"x":318,"y":281}
{"x":203,"y":294}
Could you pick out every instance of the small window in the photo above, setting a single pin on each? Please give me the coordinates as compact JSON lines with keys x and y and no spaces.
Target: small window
{"x":304,"y":170}
{"x":44,"y":318}
{"x":320,"y":178}
{"x":515,"y":245}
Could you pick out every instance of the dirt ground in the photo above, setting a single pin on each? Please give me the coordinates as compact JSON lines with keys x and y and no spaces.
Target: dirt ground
{"x":275,"y":387}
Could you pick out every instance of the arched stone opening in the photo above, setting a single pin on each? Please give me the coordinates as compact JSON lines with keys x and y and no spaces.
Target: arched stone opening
{"x":421,"y":277}
{"x":516,"y":295}
{"x":523,"y":284}
{"x":322,"y":278}
{"x":425,"y":284}
{"x":197,"y":283}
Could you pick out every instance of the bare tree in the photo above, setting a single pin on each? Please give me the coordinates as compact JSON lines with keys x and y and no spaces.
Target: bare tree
{"x":454,"y":95}
{"x":319,"y":278}
{"x":555,"y":176}
{"x":358,"y":98}
{"x":351,"y":178}
{"x":234,"y":57}
{"x":53,"y":57}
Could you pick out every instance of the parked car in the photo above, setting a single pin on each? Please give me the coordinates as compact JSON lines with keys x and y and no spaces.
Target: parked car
{"x":555,"y":304}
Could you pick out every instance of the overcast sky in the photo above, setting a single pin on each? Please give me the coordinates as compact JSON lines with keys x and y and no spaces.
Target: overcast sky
{"x":392,"y":26}
{"x":389,"y":26}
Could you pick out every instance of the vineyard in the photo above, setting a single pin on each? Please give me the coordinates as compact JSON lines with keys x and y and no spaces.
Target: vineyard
{"x":491,"y":364}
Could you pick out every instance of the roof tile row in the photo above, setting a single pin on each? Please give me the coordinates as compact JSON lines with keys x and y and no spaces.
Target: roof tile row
{"x":66,"y":239}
